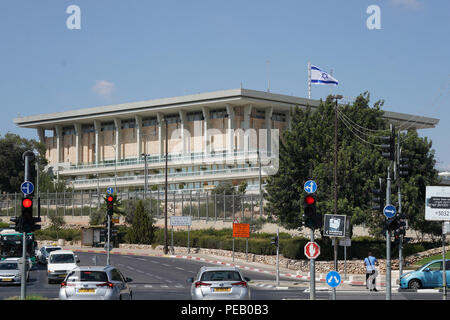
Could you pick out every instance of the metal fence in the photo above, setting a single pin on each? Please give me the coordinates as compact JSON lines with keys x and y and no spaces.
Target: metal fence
{"x":198,"y":205}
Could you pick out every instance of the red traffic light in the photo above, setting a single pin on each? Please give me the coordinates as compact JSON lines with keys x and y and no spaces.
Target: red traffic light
{"x":110,"y":199}
{"x":310,"y":200}
{"x":27,"y":203}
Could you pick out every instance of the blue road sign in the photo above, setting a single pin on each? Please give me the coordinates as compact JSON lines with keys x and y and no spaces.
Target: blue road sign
{"x":333,"y":279}
{"x":110,"y":190}
{"x":27,"y":187}
{"x":389,"y":211}
{"x":310,"y":186}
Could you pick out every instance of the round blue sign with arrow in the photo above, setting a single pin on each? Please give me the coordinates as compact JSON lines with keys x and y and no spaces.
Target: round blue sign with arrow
{"x":310,"y":186}
{"x":27,"y":187}
{"x":333,"y":279}
{"x":389,"y":211}
{"x":110,"y":190}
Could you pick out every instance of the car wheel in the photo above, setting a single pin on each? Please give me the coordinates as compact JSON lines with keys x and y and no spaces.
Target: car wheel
{"x":415,"y":284}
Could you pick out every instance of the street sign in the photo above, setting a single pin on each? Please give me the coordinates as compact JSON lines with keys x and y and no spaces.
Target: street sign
{"x":437,"y":203}
{"x":110,"y":190}
{"x":310,"y":186}
{"x":333,"y":279}
{"x":180,"y":221}
{"x":334,"y":225}
{"x":27,"y":187}
{"x":389,"y":211}
{"x":312,"y":250}
{"x":241,"y":230}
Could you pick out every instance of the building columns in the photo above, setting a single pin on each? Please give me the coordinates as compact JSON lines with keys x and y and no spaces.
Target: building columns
{"x":77,"y":143}
{"x":98,"y":127}
{"x":59,"y":137}
{"x":183,"y":137}
{"x":138,"y":120}
{"x":117,"y":129}
{"x":207,"y":144}
{"x":161,"y":133}
{"x":230,"y":133}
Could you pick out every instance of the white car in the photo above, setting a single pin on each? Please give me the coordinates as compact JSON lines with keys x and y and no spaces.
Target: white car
{"x":11,"y":271}
{"x":60,"y":262}
{"x":44,"y":252}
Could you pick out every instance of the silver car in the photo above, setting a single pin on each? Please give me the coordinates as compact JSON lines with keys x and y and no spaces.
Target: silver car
{"x":44,"y":252}
{"x":219,"y":283}
{"x":95,"y":283}
{"x":10,"y":271}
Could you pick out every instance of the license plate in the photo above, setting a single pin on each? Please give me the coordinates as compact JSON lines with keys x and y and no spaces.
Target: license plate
{"x":86,"y":290}
{"x":62,"y":275}
{"x":7,"y":279}
{"x":222,"y":289}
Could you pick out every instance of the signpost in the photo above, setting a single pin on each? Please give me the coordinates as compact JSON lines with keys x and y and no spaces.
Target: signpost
{"x":333,"y":279}
{"x":310,"y":186}
{"x":437,"y":208}
{"x":180,"y":221}
{"x":389,"y":211}
{"x":241,"y":230}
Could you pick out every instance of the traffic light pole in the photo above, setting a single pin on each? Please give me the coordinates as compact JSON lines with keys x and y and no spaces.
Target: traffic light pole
{"x":388,"y":240}
{"x":108,"y":249}
{"x":312,"y":273}
{"x":278,"y":258}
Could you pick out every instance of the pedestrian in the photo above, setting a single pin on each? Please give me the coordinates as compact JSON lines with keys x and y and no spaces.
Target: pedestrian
{"x":371,"y":271}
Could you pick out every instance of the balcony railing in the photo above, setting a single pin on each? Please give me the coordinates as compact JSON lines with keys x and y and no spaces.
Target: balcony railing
{"x":185,"y":159}
{"x":161,"y":176}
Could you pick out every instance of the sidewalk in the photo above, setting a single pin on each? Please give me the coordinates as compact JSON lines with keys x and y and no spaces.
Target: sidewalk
{"x":287,"y":276}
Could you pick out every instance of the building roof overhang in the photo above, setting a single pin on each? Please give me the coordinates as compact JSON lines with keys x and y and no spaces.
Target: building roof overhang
{"x":195,"y":102}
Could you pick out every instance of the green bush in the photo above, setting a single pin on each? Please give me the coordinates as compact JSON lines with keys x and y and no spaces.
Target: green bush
{"x":55,"y":234}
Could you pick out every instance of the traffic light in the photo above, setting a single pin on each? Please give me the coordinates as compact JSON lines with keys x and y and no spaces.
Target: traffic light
{"x":274,"y":241}
{"x":403,"y":167}
{"x":378,"y":199}
{"x":110,"y":205}
{"x":389,"y":146}
{"x":393,"y":223}
{"x":16,"y":223}
{"x":27,"y":223}
{"x":311,"y":218}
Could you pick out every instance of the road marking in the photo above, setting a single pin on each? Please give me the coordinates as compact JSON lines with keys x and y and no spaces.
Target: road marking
{"x":179,"y":268}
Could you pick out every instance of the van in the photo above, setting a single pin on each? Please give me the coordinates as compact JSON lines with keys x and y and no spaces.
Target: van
{"x":59,"y":264}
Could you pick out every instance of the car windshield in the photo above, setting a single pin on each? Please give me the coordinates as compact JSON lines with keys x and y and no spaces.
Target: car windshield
{"x":219,"y":275}
{"x":51,"y":249}
{"x":62,"y":258}
{"x":9,"y":266}
{"x":87,"y":276}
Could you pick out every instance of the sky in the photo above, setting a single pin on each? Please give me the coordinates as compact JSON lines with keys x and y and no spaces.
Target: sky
{"x":54,"y":59}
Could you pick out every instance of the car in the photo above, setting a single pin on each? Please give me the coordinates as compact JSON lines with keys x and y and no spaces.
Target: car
{"x":95,"y":283}
{"x":60,"y":262}
{"x":44,"y":252}
{"x":219,"y":283}
{"x":428,"y":275}
{"x":10,"y":271}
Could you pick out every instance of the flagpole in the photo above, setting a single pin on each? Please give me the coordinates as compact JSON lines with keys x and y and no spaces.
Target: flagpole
{"x":309,"y":80}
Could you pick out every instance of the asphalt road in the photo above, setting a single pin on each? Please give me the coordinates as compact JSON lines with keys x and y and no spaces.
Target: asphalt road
{"x":162,"y":278}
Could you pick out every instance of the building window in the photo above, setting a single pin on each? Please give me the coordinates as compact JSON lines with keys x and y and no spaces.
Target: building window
{"x":87,"y":128}
{"x":68,"y":131}
{"x":128,"y":124}
{"x":174,"y":118}
{"x":194,"y":116}
{"x":259,"y":114}
{"x":107,"y":126}
{"x":276,"y":116}
{"x":218,"y":114}
{"x":151,"y":121}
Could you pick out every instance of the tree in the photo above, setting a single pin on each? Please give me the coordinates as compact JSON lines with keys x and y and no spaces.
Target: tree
{"x":142,"y":229}
{"x":11,"y":162}
{"x":307,"y":152}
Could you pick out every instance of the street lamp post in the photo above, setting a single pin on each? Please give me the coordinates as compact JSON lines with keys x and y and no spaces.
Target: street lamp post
{"x":166,"y":249}
{"x":336,"y":97}
{"x":145,"y":175}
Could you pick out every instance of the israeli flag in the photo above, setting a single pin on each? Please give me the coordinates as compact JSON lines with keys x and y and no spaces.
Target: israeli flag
{"x":321,"y":77}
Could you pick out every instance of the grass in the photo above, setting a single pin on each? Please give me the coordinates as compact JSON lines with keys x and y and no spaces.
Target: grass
{"x":435,"y":257}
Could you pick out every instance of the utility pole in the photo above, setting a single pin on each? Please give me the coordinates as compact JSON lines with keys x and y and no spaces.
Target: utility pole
{"x":166,"y":249}
{"x":337,"y":97}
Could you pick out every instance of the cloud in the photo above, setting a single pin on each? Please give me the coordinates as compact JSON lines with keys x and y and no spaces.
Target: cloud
{"x":410,"y":4}
{"x":103,"y":88}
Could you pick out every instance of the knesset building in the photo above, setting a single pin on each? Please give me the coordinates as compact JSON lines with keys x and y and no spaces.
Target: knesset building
{"x":213,"y":137}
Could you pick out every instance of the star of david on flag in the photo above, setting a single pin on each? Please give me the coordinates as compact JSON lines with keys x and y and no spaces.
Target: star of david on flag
{"x":321,"y":77}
